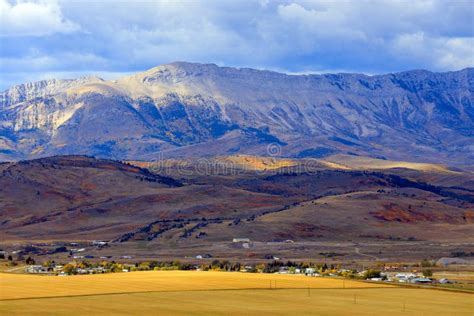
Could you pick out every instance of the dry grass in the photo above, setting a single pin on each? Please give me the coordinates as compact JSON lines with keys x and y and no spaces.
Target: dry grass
{"x":28,"y":286}
{"x":252,"y":302}
{"x":455,"y":275}
{"x":217,"y":293}
{"x":342,"y":162}
{"x":367,"y":163}
{"x":257,"y":163}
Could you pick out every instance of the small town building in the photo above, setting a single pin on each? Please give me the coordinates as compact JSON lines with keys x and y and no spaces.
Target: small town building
{"x":36,"y":269}
{"x":309,"y":271}
{"x":99,"y":243}
{"x":405,"y":277}
{"x":445,"y":281}
{"x":421,"y":281}
{"x":241,"y":240}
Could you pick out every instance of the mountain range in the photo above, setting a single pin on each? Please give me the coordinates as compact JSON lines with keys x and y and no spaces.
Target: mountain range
{"x":195,"y":110}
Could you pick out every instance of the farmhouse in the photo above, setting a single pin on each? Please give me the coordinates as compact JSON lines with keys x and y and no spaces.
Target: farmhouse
{"x":310,"y":272}
{"x":405,"y":277}
{"x":99,"y":243}
{"x":36,"y":269}
{"x":247,"y":240}
{"x":78,"y":250}
{"x":283,"y":270}
{"x":421,"y":281}
{"x":445,"y":281}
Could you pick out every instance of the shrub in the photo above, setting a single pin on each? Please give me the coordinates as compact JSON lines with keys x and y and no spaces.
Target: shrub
{"x":30,"y":260}
{"x":369,"y":274}
{"x":69,"y":268}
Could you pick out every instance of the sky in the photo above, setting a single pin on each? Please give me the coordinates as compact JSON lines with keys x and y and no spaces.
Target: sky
{"x":68,"y":39}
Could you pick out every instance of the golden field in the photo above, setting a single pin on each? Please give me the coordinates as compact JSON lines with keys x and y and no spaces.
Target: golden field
{"x":456,"y":275}
{"x":204,"y":293}
{"x":15,"y":286}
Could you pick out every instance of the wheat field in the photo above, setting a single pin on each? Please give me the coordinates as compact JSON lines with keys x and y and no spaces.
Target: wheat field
{"x":217,"y":293}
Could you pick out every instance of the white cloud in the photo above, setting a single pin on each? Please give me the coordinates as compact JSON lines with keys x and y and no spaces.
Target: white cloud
{"x":296,"y":35}
{"x":33,"y":19}
{"x":456,"y":53}
{"x":444,"y":53}
{"x":43,"y":63}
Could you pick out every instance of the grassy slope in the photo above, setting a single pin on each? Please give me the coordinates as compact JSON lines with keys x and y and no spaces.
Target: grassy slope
{"x":367,"y":163}
{"x":80,"y":199}
{"x":204,"y":293}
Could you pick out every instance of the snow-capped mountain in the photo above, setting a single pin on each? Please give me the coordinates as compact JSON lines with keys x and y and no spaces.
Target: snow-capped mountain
{"x":186,"y":109}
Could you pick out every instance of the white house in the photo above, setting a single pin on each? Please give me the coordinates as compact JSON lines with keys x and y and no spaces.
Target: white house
{"x":99,"y":243}
{"x":445,"y":281}
{"x":241,"y":240}
{"x":421,"y":280}
{"x":405,"y":277}
{"x":36,"y":269}
{"x":310,"y":271}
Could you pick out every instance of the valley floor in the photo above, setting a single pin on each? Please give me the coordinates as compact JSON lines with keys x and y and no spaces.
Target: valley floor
{"x":218,"y":293}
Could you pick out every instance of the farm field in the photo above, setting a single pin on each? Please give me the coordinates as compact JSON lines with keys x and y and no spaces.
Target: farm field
{"x":456,"y":275}
{"x":464,"y":280}
{"x":204,"y":293}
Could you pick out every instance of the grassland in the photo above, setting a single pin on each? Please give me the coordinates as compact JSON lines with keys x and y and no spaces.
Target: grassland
{"x":366,"y":163}
{"x":456,"y":275}
{"x":48,"y":202}
{"x":204,"y":293}
{"x":464,"y":280}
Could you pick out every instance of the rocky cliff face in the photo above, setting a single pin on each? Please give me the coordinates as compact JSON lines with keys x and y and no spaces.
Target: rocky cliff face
{"x":185,"y":109}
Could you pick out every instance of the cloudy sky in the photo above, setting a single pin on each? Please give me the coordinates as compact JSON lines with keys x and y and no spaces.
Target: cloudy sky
{"x":66,"y":39}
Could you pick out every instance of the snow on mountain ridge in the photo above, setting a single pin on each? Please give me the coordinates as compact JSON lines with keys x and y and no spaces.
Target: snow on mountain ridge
{"x":176,"y":108}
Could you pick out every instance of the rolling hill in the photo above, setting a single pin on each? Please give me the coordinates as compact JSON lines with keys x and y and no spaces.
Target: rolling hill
{"x":181,"y":209}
